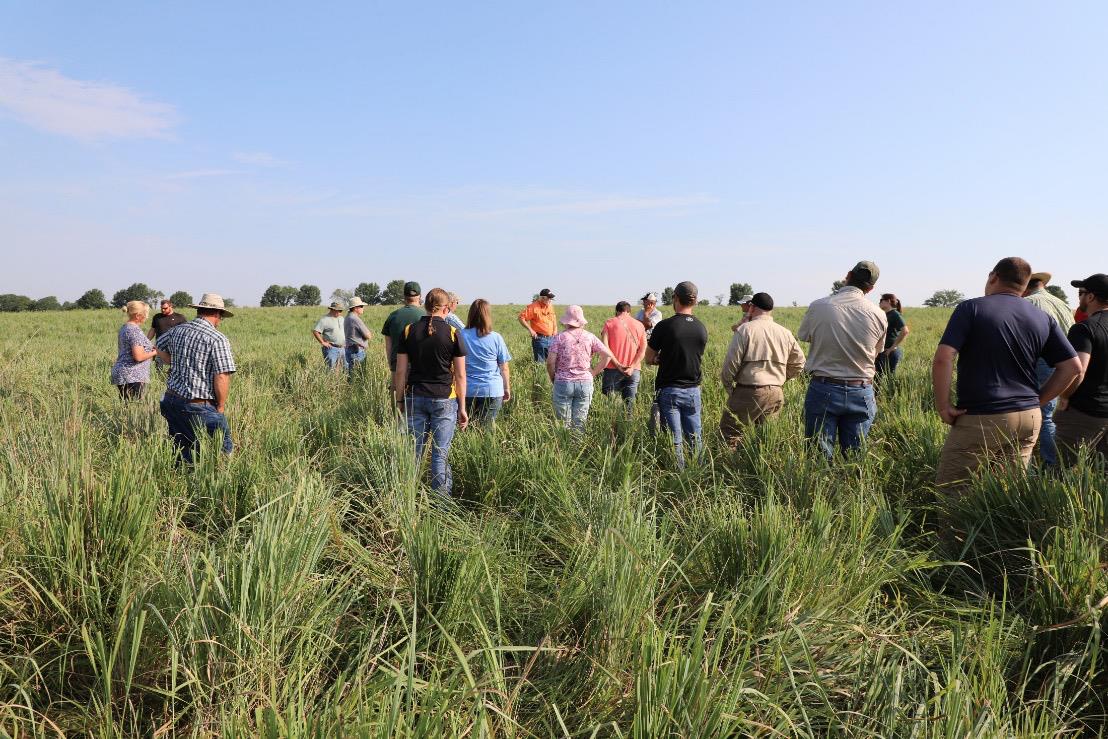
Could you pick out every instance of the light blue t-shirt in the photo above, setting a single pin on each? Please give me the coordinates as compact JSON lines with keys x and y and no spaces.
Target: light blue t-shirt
{"x":453,"y":320}
{"x":483,"y":357}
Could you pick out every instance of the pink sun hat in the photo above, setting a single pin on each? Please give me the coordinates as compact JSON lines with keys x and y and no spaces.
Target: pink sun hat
{"x":574,"y":317}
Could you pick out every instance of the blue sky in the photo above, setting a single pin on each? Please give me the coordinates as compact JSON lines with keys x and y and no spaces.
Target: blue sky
{"x":599,"y":149}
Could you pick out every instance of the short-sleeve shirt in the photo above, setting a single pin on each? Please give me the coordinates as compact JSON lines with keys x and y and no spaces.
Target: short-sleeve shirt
{"x":126,"y":370}
{"x":540,"y":318}
{"x":626,"y":337}
{"x":574,"y":349}
{"x":395,"y":324}
{"x":680,"y":341}
{"x":331,"y":329}
{"x":357,"y":334}
{"x":162,"y":323}
{"x":1053,"y":306}
{"x":453,"y":320}
{"x":998,"y":339}
{"x":655,"y":319}
{"x":197,"y":353}
{"x":431,"y":355}
{"x":896,"y":327}
{"x":1091,"y":337}
{"x":484,"y":355}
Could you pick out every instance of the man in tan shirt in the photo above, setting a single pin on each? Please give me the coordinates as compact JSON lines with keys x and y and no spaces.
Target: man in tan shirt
{"x":762,"y":356}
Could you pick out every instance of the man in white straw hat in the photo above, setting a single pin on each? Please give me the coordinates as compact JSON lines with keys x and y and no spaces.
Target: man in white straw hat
{"x":331,"y":336}
{"x":357,"y":335}
{"x":1037,"y":294}
{"x":569,"y":365}
{"x":200,"y":369}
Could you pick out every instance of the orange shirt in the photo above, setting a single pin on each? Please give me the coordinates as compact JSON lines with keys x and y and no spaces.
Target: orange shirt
{"x":540,"y":318}
{"x":625,"y":336}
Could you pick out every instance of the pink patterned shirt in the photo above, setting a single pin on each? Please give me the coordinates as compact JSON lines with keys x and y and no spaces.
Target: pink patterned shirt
{"x":575,"y":348}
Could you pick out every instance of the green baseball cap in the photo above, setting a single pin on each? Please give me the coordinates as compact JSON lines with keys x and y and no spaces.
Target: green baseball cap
{"x":866,"y":267}
{"x":412,"y":289}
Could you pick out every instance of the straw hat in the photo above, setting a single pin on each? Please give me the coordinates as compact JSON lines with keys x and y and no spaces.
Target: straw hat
{"x":1043,"y":276}
{"x":357,"y":303}
{"x":574,"y":317}
{"x":211,"y":301}
{"x":336,"y":305}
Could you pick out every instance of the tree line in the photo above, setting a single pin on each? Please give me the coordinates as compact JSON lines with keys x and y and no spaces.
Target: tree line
{"x":277,"y":296}
{"x":95,"y":299}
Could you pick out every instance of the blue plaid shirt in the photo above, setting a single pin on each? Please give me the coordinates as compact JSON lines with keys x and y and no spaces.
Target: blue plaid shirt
{"x":198,"y":353}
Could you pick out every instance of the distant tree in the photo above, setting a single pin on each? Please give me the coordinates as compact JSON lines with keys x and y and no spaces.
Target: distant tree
{"x":705,"y":301}
{"x":394,"y":293}
{"x":69,"y":305}
{"x":343,"y":296}
{"x":137,"y":291}
{"x":738,"y":291}
{"x":1057,"y":292}
{"x":667,"y":296}
{"x":229,"y":302}
{"x":181,"y":298}
{"x":370,"y":292}
{"x":837,"y":285}
{"x":10,"y":303}
{"x":308,"y":295}
{"x":719,"y":298}
{"x":50,"y":302}
{"x":92,"y":300}
{"x":278,"y":296}
{"x":944,"y":299}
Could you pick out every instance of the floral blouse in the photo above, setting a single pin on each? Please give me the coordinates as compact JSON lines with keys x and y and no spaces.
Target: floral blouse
{"x":126,"y":370}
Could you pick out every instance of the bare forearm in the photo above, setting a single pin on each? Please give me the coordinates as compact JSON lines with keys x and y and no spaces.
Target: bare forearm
{"x":221,"y":387}
{"x":942,"y":375}
{"x":1064,"y":375}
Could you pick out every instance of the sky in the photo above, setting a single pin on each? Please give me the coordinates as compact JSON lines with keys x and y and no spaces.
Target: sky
{"x":597,"y":149}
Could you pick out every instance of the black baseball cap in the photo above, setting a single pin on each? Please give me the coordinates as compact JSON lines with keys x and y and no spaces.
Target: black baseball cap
{"x":866,"y":271}
{"x":685,"y":290}
{"x":545,"y":293}
{"x":761,"y":301}
{"x":1096,"y":284}
{"x":411,"y":289}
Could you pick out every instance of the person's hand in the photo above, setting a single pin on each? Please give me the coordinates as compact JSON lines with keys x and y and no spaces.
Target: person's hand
{"x":507,"y":394}
{"x":463,"y":417}
{"x":220,"y":408}
{"x":1063,"y":404}
{"x":950,"y":415}
{"x":534,"y":334}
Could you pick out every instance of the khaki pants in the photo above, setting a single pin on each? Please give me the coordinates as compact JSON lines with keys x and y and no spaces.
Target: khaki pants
{"x":749,"y":406}
{"x":997,"y":438}
{"x":1075,"y":429}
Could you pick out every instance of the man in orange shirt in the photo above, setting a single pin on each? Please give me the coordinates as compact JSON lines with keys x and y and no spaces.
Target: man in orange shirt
{"x":626,"y":338}
{"x":538,"y":318}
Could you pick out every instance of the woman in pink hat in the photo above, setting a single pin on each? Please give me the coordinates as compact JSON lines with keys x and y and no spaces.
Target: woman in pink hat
{"x":569,"y":364}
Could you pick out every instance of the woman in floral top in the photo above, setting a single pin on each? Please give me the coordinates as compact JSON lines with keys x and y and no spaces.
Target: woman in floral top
{"x":131,"y":370}
{"x":569,"y":365}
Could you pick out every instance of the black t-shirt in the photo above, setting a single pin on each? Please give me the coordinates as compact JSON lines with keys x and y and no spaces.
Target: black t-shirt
{"x":431,"y":356}
{"x":896,"y":326}
{"x":999,"y":338}
{"x":679,"y":341}
{"x":163,"y":323}
{"x":1091,"y":337}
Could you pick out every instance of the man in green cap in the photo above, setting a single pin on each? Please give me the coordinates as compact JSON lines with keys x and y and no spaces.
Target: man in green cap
{"x":400,"y":319}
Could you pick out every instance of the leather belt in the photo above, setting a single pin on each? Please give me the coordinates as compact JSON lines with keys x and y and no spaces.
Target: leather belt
{"x":754,"y":387}
{"x":189,"y":400}
{"x":841,"y":382}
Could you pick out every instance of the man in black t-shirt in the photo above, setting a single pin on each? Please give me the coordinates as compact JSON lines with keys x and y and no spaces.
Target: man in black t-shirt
{"x":162,"y":322}
{"x":1082,"y":415}
{"x":676,"y":345}
{"x":430,"y":381}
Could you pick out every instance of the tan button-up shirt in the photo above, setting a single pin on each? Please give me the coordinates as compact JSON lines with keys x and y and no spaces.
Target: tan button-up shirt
{"x":762,"y":352}
{"x":846,"y":332}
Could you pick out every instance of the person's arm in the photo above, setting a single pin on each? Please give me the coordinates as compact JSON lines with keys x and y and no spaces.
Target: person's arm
{"x":795,"y":363}
{"x":640,"y":354}
{"x":652,"y":356}
{"x":942,"y":377}
{"x":1064,"y":374}
{"x":160,"y":347}
{"x":1064,"y":396}
{"x":150,"y":333}
{"x":460,"y":390}
{"x":899,"y":339}
{"x":400,"y":378}
{"x":605,"y":357}
{"x":731,"y":362}
{"x":388,"y":347}
{"x":525,"y":321}
{"x":319,"y":337}
{"x":141,"y":355}
{"x":221,"y":386}
{"x":804,"y":331}
{"x":507,"y":375}
{"x":551,"y":363}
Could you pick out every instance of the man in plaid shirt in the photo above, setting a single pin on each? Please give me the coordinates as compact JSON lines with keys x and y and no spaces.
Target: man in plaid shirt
{"x":200,"y":368}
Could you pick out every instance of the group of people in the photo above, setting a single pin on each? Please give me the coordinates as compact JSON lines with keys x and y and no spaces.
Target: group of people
{"x":1027,"y":371}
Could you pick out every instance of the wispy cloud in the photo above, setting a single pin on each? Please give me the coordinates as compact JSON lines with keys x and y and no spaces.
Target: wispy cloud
{"x":600,"y":205}
{"x":48,"y":100}
{"x":258,"y":159}
{"x":195,"y":174}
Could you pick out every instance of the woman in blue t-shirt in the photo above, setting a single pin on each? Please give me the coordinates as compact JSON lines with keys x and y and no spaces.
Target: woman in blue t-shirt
{"x":488,"y":381}
{"x":897,"y":331}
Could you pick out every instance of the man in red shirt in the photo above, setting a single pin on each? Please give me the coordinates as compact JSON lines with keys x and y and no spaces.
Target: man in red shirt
{"x":626,"y":338}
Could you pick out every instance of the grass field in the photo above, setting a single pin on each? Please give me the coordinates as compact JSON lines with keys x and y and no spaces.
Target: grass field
{"x":305,"y":586}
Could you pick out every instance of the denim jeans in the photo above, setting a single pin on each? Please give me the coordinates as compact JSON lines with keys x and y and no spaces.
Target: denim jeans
{"x":435,"y":418}
{"x":334,"y":356}
{"x":483,"y":411}
{"x":1048,"y":447}
{"x":627,"y":385}
{"x":838,"y":412}
{"x":355,"y":355}
{"x":186,"y":419}
{"x":887,"y":363}
{"x":680,"y":413}
{"x":571,"y":403}
{"x":540,"y":345}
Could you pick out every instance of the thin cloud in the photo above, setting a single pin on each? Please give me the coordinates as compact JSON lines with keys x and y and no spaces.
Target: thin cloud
{"x":48,"y":100}
{"x":258,"y":159}
{"x":601,"y":205}
{"x":196,"y":174}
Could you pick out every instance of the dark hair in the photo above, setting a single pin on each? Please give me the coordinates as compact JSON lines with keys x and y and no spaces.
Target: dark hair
{"x":895,"y":301}
{"x":1013,"y":272}
{"x":1031,"y":284}
{"x":209,"y":312}
{"x":685,"y":293}
{"x":436,"y":298}
{"x":861,"y":279}
{"x":622,"y":307}
{"x":166,"y":301}
{"x":480,"y":317}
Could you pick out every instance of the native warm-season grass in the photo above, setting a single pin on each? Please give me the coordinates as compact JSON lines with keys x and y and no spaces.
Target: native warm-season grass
{"x":307,"y":585}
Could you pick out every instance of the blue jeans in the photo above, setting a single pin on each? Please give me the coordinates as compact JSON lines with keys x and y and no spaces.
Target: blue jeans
{"x":680,"y":413}
{"x":483,"y":411}
{"x":838,"y":412}
{"x":571,"y":403}
{"x":540,"y":345}
{"x":185,"y":419}
{"x":435,"y":418}
{"x":334,"y":356}
{"x":1048,"y":448}
{"x":887,"y":363}
{"x":627,"y":385}
{"x":355,"y":355}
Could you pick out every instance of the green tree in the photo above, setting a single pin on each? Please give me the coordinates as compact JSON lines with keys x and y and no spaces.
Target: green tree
{"x":278,"y":296}
{"x":944,"y":299}
{"x":180,"y":298}
{"x":704,"y":301}
{"x":308,"y":295}
{"x":370,"y":292}
{"x":229,"y":302}
{"x":667,"y":296}
{"x":394,"y":293}
{"x":738,"y":291}
{"x":1057,"y":292}
{"x":50,"y":302}
{"x":137,"y":291}
{"x":343,"y":296}
{"x":93,"y":300}
{"x":10,"y":303}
